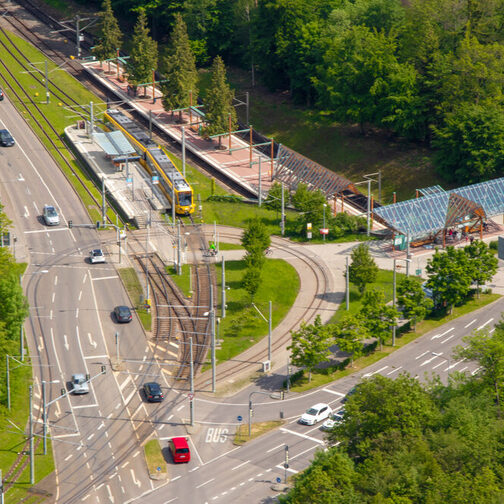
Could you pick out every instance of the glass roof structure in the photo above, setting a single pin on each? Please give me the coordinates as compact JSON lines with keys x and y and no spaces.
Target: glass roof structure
{"x":114,"y":143}
{"x":427,"y":215}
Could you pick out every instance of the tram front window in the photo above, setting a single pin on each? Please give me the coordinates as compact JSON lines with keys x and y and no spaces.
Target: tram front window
{"x":185,"y":198}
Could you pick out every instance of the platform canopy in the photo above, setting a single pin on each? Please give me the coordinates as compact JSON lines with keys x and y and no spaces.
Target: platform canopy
{"x":293,"y":169}
{"x":438,"y":209}
{"x":114,"y":143}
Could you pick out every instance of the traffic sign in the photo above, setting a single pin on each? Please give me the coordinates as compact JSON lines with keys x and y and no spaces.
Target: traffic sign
{"x":324,"y":231}
{"x":155,"y":179}
{"x":191,"y":396}
{"x":308,"y":226}
{"x":129,"y":180}
{"x":286,"y":466}
{"x":158,"y":468}
{"x":279,"y":480}
{"x":239,"y":418}
{"x":309,"y":235}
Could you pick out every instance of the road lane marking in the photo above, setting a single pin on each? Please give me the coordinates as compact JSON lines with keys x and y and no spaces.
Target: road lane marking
{"x":77,"y":313}
{"x":53,"y":297}
{"x":448,"y":339}
{"x":80,"y":295}
{"x":110,"y":494}
{"x":486,"y":323}
{"x":421,"y":355}
{"x":41,"y":346}
{"x":470,"y":323}
{"x":437,"y":365}
{"x":275,"y":448}
{"x":55,"y":279}
{"x":367,"y":375}
{"x":394,"y":370}
{"x":124,"y":383}
{"x":243,"y":463}
{"x":85,"y":406}
{"x":91,"y":341}
{"x":302,"y":435}
{"x":169,"y":418}
{"x":95,"y":279}
{"x":176,"y":478}
{"x":35,"y":231}
{"x":194,"y":469}
{"x":333,"y":392}
{"x":26,"y":213}
{"x":206,"y":483}
{"x":96,"y":357}
{"x":439,"y":354}
{"x":90,"y":437}
{"x":69,"y":457}
{"x":67,"y":346}
{"x":180,"y":407}
{"x":125,"y":464}
{"x":436,"y":336}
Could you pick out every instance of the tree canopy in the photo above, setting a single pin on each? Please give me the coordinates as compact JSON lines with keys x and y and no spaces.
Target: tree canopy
{"x":363,"y":269}
{"x":110,"y":38}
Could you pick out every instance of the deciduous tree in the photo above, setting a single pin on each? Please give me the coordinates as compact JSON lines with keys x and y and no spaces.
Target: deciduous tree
{"x":377,"y":316}
{"x":310,"y":345}
{"x":363,"y":269}
{"x":483,"y":263}
{"x":412,"y":301}
{"x":348,"y":334}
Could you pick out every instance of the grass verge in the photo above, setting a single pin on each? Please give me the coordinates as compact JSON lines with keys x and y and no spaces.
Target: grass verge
{"x":243,"y":326}
{"x":329,"y":374}
{"x":182,"y":281}
{"x":154,"y":457}
{"x":130,"y":280}
{"x":256,"y":430}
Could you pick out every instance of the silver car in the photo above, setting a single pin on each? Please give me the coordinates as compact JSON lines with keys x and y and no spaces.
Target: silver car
{"x":96,"y":256}
{"x":51,"y":216}
{"x":80,"y":384}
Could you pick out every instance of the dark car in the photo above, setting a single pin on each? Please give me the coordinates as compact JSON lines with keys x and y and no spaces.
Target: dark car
{"x":122,"y":314}
{"x":6,"y":138}
{"x":1,"y":94}
{"x":153,"y":392}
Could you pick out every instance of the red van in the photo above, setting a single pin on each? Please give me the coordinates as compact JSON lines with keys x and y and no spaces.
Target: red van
{"x":179,"y":450}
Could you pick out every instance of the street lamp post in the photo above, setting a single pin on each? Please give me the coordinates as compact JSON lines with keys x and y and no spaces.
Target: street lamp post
{"x":323,"y":236}
{"x":394,"y":327}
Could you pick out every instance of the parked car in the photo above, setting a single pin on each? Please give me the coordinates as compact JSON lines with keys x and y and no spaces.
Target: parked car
{"x":335,"y":418}
{"x":1,"y":94}
{"x":80,"y":384}
{"x":179,"y":449}
{"x":316,"y":414}
{"x":153,"y":392}
{"x":51,"y":216}
{"x":122,"y":314}
{"x":96,"y":256}
{"x":6,"y":139}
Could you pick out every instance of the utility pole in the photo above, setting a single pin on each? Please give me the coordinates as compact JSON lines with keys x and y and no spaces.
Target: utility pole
{"x":173,"y":200}
{"x":212,"y":336}
{"x":179,"y":265}
{"x":369,"y":208}
{"x":91,"y":120}
{"x":347,"y":284}
{"x":223,"y":281}
{"x":44,"y":416}
{"x":103,"y":200}
{"x":183,"y":151}
{"x":48,"y":99}
{"x":260,"y":186}
{"x":147,"y":260}
{"x":282,"y":224}
{"x":8,"y":382}
{"x":269,"y":332}
{"x":21,"y":342}
{"x":32,"y":454}
{"x":191,"y":376}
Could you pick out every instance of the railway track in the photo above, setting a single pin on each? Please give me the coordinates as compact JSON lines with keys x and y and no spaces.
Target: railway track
{"x":259,"y":353}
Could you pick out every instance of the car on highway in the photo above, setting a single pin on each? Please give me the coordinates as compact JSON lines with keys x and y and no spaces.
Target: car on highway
{"x":1,"y":94}
{"x":6,"y":139}
{"x":153,"y":392}
{"x":51,"y":217}
{"x":80,"y":384}
{"x":122,"y":314}
{"x":179,"y":448}
{"x":336,"y":418}
{"x":96,"y":256}
{"x":317,"y":413}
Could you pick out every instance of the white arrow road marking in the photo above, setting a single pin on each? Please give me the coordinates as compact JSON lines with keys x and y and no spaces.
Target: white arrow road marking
{"x":135,"y":481}
{"x":41,"y":346}
{"x":110,"y":496}
{"x":58,"y":409}
{"x":26,"y":213}
{"x":20,"y":178}
{"x":91,"y":341}
{"x":67,"y":346}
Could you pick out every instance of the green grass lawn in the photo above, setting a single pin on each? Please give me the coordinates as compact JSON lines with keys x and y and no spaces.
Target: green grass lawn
{"x":154,"y":457}
{"x":183,"y":281}
{"x":243,"y":326}
{"x":133,"y":287}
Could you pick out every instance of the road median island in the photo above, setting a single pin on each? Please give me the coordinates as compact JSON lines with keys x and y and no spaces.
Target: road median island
{"x":156,"y":463}
{"x":256,"y":429}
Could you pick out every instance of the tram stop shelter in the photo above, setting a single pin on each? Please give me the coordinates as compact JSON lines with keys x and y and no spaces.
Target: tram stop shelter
{"x":115,"y":145}
{"x":431,"y":215}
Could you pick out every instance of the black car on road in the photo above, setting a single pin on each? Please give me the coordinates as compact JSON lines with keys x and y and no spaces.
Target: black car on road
{"x":153,"y":392}
{"x":122,"y":314}
{"x":6,"y":138}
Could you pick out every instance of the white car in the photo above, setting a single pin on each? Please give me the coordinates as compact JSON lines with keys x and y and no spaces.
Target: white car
{"x":335,"y":418}
{"x":80,"y":384}
{"x":96,"y":256}
{"x":315,"y":414}
{"x":51,"y":216}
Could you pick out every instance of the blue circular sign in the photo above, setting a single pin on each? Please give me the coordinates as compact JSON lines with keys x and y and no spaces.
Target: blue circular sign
{"x":279,"y":480}
{"x":240,"y":418}
{"x":158,"y":468}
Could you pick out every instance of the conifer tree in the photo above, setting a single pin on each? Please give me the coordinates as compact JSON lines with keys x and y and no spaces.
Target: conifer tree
{"x":110,"y":34}
{"x":219,"y":102}
{"x":143,"y":55}
{"x":179,"y":69}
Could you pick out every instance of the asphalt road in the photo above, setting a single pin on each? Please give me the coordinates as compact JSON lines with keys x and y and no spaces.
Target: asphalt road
{"x":97,"y":437}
